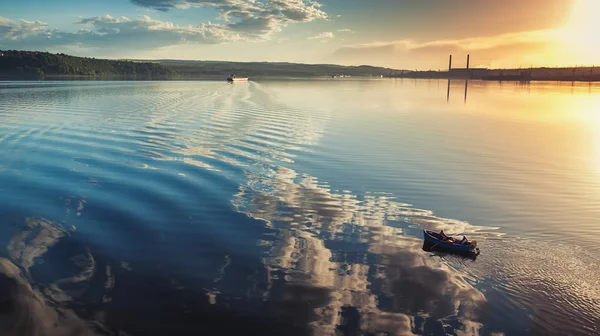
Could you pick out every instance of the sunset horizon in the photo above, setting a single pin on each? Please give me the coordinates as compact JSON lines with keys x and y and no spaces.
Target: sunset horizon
{"x":394,"y":34}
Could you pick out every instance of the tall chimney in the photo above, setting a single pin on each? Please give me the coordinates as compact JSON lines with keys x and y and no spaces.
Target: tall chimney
{"x":468,"y":57}
{"x":450,"y":63}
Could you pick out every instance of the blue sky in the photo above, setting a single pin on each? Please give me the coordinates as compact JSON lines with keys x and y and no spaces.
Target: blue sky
{"x":396,"y":33}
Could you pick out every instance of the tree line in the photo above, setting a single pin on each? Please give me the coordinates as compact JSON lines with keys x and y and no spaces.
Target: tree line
{"x":39,"y":64}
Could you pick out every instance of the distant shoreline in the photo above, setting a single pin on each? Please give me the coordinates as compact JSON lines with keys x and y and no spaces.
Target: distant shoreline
{"x":558,"y":74}
{"x":67,"y":78}
{"x":179,"y":78}
{"x":33,"y":65}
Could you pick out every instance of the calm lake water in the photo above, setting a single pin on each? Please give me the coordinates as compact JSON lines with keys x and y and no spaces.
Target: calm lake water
{"x":296,"y":207}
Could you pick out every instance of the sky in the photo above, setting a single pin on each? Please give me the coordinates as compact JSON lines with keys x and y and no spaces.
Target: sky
{"x":402,"y":34}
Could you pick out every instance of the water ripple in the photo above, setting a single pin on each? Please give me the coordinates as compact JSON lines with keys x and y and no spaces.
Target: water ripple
{"x":212,"y":206}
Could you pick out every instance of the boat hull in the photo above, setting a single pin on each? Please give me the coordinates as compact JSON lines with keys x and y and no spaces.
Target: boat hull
{"x":431,"y":238}
{"x":237,"y":79}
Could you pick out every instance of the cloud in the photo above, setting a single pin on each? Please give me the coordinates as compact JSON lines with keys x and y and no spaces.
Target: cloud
{"x":249,"y":15}
{"x":15,"y":30}
{"x":143,"y":33}
{"x":525,"y":48}
{"x":322,"y":36}
{"x":344,"y":30}
{"x":242,"y":21}
{"x":164,"y":31}
{"x":296,"y":10}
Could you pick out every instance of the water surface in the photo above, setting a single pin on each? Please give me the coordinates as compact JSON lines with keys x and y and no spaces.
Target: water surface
{"x":296,"y":207}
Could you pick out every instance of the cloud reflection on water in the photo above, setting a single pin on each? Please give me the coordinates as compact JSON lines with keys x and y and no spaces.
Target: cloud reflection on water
{"x":26,"y":313}
{"x":309,"y":218}
{"x":34,"y":241}
{"x":26,"y":306}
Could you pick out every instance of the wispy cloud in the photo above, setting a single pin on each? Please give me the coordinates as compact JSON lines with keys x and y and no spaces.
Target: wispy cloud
{"x":524,"y":48}
{"x":475,"y":43}
{"x":322,"y":36}
{"x":345,"y":30}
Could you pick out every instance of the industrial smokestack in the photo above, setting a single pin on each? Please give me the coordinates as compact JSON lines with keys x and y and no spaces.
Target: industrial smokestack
{"x":468,"y":57}
{"x":450,"y":63}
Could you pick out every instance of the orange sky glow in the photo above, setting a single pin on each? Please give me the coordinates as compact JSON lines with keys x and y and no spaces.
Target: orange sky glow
{"x":401,"y":34}
{"x":575,"y":41}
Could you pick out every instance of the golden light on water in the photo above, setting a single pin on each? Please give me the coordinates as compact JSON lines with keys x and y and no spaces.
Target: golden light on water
{"x":590,"y":109}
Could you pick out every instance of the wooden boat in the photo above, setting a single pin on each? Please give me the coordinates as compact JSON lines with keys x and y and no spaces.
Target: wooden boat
{"x":233,"y":78}
{"x":434,"y":239}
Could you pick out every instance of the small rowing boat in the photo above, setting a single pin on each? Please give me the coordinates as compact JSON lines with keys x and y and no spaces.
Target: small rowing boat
{"x":233,"y":78}
{"x":435,"y":240}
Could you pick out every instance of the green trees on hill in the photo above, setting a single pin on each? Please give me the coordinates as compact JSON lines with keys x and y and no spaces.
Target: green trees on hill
{"x":200,"y":69}
{"x":37,"y":64}
{"x":33,"y":65}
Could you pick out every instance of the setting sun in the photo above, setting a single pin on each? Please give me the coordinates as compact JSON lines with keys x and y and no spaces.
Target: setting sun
{"x":581,"y":33}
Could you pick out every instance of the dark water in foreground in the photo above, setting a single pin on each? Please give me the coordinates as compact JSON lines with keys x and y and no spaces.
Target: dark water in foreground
{"x":176,"y":208}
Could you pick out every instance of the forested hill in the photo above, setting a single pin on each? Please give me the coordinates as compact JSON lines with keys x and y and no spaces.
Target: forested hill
{"x":15,"y":63}
{"x":35,"y":65}
{"x":201,"y":69}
